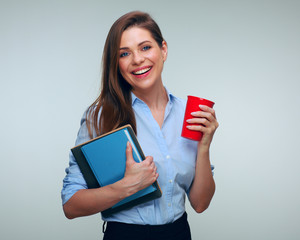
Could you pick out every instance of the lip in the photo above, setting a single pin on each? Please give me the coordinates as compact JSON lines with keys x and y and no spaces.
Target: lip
{"x":143,"y":74}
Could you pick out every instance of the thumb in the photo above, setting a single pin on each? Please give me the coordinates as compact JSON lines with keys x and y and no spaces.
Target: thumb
{"x":129,"y":157}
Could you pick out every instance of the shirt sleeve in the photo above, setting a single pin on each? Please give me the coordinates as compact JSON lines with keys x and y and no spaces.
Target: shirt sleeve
{"x":212,"y":167}
{"x":74,"y":180}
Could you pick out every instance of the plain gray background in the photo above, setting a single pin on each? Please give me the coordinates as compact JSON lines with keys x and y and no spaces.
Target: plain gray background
{"x":244,"y":55}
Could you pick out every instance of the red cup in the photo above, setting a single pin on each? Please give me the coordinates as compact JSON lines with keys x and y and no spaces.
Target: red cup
{"x":192,"y":105}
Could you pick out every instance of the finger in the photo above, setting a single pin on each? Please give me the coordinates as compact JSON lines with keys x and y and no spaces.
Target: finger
{"x":198,"y":128}
{"x":203,"y":121}
{"x":154,"y":176}
{"x":153,"y":167}
{"x":129,"y":157}
{"x":149,"y":163}
{"x":200,"y":114}
{"x":208,"y":109}
{"x":204,"y":129}
{"x":148,"y":160}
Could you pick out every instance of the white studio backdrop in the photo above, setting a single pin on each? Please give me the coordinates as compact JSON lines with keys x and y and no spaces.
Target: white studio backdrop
{"x":244,"y":55}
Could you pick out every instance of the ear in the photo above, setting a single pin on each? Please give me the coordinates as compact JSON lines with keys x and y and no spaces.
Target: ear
{"x":164,"y":49}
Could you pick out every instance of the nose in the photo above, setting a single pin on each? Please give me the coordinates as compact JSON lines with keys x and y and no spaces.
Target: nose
{"x":138,"y":58}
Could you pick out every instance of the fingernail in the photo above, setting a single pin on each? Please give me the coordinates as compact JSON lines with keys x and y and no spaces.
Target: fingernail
{"x":189,"y":120}
{"x":128,"y":144}
{"x":193,"y":113}
{"x":189,"y":127}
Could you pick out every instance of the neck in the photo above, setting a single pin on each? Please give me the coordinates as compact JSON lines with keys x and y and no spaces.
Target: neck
{"x":156,"y":98}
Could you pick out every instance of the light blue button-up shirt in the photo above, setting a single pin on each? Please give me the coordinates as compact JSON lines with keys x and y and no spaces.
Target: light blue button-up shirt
{"x":174,"y":156}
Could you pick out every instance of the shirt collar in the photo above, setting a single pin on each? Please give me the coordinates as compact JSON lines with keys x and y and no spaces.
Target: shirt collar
{"x":169,"y":94}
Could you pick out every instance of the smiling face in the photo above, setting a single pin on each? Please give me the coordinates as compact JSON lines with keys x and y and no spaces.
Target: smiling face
{"x":141,"y":59}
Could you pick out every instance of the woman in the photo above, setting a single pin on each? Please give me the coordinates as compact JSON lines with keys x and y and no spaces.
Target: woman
{"x":132,"y":92}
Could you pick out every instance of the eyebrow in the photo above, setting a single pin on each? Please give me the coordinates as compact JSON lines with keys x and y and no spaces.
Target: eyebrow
{"x":141,"y":43}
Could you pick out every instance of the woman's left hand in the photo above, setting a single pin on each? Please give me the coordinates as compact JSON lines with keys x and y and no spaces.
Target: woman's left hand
{"x":206,"y":123}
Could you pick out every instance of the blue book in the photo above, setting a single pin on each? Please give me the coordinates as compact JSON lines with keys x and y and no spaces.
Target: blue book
{"x":102,"y":161}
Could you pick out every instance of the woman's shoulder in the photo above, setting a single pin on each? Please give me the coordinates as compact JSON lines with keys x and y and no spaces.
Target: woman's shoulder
{"x":86,"y":122}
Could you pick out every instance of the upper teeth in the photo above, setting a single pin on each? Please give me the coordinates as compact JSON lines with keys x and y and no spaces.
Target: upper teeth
{"x":142,"y":71}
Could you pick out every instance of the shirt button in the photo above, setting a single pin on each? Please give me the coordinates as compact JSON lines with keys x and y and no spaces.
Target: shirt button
{"x":170,"y":181}
{"x":169,"y":204}
{"x":168,"y":157}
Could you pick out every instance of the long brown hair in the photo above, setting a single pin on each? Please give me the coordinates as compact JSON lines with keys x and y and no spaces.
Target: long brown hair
{"x":114,"y":101}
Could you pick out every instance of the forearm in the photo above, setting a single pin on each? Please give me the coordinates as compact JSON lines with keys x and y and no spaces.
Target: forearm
{"x":87,"y":202}
{"x":203,"y":186}
{"x":90,"y":201}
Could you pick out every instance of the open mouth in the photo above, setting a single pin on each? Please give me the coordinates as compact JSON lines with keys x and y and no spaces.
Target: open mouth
{"x":142,"y":71}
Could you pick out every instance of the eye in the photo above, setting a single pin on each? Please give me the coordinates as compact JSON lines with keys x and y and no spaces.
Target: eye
{"x":145,"y":48}
{"x":124,"y":54}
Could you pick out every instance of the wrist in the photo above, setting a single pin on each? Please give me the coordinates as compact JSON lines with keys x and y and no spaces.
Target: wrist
{"x":203,"y":148}
{"x":126,"y":188}
{"x":203,"y":154}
